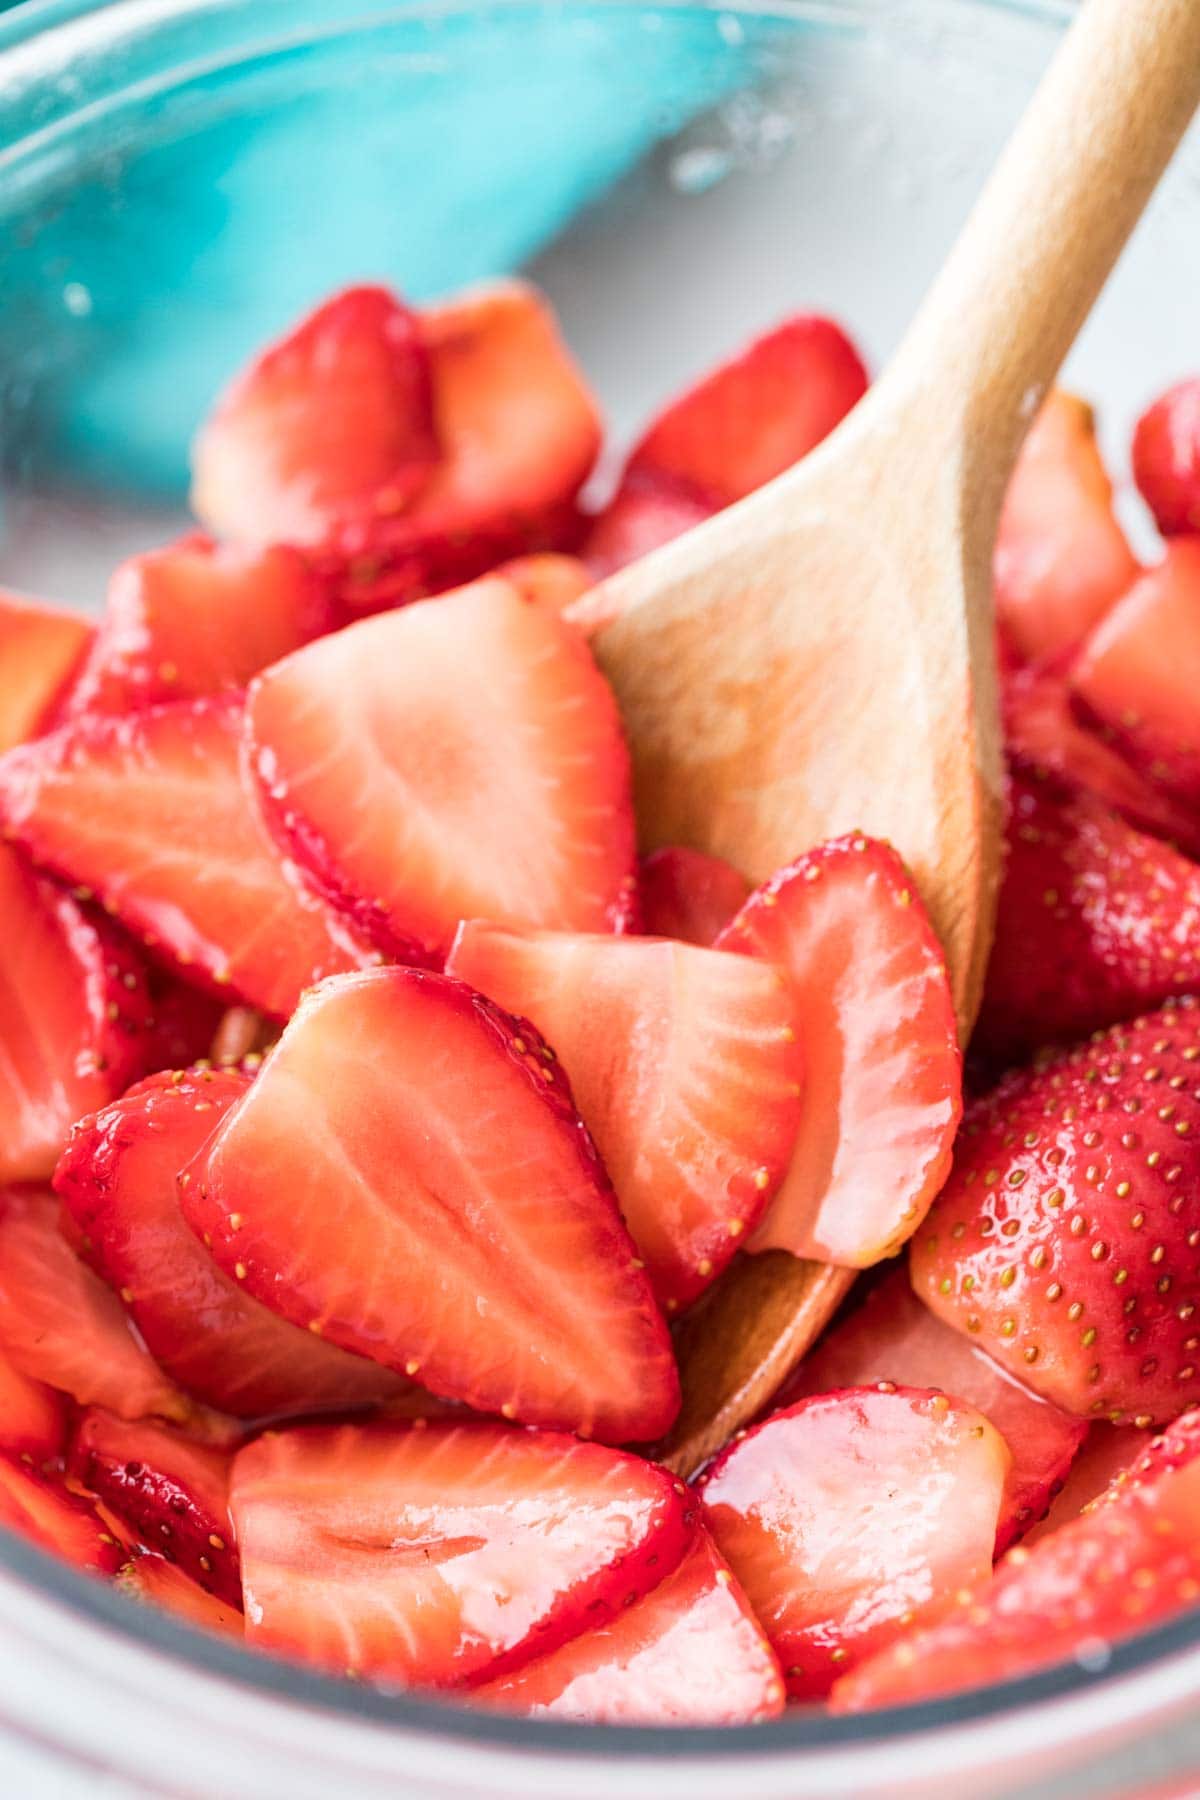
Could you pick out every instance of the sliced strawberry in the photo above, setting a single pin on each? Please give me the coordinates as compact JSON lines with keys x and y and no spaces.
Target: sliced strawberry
{"x":1139,"y":670}
{"x":185,"y":1022}
{"x":548,"y":580}
{"x":154,"y":1580}
{"x":118,"y":1180}
{"x":461,"y":758}
{"x":686,"y":1071}
{"x":197,"y":618}
{"x":40,"y":1507}
{"x":151,"y":814}
{"x":330,"y":428}
{"x":649,"y":509}
{"x":892,"y":1338}
{"x":690,"y":1653}
{"x":33,"y":1417}
{"x":1061,"y":558}
{"x":688,"y":895}
{"x":75,"y":1017}
{"x":1065,"y":1240}
{"x":61,"y":1325}
{"x":440,"y":1555}
{"x":1166,"y":458}
{"x":883,"y":1075}
{"x":169,"y":1491}
{"x":242,"y":1038}
{"x":408,"y":1176}
{"x":40,"y":648}
{"x":1046,"y":741}
{"x":1109,"y":1453}
{"x":847,"y":1515}
{"x":1131,"y":1561}
{"x":759,"y":413}
{"x":1096,"y":922}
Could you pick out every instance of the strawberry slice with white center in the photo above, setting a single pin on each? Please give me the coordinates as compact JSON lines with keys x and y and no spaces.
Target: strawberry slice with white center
{"x":408,"y":1176}
{"x":689,"y":895}
{"x":686,"y":1070}
{"x":690,"y":1653}
{"x":40,"y":648}
{"x":39,"y":1506}
{"x":169,"y":1491}
{"x":1128,"y":1563}
{"x":60,"y":1324}
{"x":330,"y":427}
{"x":460,"y":758}
{"x":150,"y":813}
{"x":883,"y":1074}
{"x":197,"y":618}
{"x":441,"y":1555}
{"x":892,"y":1338}
{"x":75,"y":1017}
{"x":117,"y":1178}
{"x":847,"y":1515}
{"x":156,"y":1582}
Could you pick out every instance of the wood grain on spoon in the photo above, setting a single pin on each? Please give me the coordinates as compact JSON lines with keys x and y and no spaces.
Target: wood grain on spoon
{"x":819,"y":657}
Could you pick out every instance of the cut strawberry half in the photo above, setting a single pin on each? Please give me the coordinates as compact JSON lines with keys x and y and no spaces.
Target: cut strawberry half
{"x":461,"y":758}
{"x":60,"y":1324}
{"x":118,"y":1181}
{"x":849,"y":1514}
{"x":40,"y":1507}
{"x":330,"y":428}
{"x":1139,"y":670}
{"x":549,"y":580}
{"x":648,"y":510}
{"x":685,"y":1068}
{"x":1065,"y":1239}
{"x":1061,"y":558}
{"x":1109,"y":1454}
{"x":883,"y":1075}
{"x":1166,"y":458}
{"x":33,"y":1417}
{"x":1096,"y":923}
{"x":152,"y":1579}
{"x":151,"y":814}
{"x":892,"y":1338}
{"x":754,"y":416}
{"x":688,"y":895}
{"x":40,"y":649}
{"x":441,"y":1555}
{"x":408,"y":1176}
{"x":690,"y":1653}
{"x":169,"y":1491}
{"x":1131,"y":1561}
{"x":75,"y":1017}
{"x":197,"y":618}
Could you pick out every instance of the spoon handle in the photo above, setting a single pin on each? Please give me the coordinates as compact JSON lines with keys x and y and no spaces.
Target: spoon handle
{"x":1049,"y":227}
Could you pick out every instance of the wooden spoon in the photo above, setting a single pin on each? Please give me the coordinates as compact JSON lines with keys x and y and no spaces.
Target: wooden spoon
{"x":820,"y":656}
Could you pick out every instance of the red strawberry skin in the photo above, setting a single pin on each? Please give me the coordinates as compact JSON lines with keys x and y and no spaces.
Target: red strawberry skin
{"x":151,"y":814}
{"x":444,"y":1554}
{"x":38,"y":1506}
{"x":847,"y":1514}
{"x":1130,"y":1561}
{"x":690,"y":1653}
{"x":75,"y":1017}
{"x":153,"y":1580}
{"x":1065,"y":1241}
{"x":408,"y":1176}
{"x":892,"y":1338}
{"x":689,"y":895}
{"x":169,"y":1491}
{"x":1096,"y":922}
{"x":883,"y":1081}
{"x":460,"y":758}
{"x":40,"y":649}
{"x":1166,"y":458}
{"x":197,"y":618}
{"x":117,"y":1178}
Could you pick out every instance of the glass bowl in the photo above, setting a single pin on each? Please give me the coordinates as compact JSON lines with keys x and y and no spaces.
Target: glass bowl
{"x":178,"y":182}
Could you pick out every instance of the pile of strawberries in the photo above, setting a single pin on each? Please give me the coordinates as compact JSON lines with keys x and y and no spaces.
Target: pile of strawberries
{"x":370,"y":1110}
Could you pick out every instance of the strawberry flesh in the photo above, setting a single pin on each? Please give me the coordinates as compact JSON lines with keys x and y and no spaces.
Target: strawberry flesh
{"x":151,"y":1579}
{"x":33,"y":1417}
{"x":441,"y":1555}
{"x":883,"y":1074}
{"x":118,"y":1182}
{"x":648,"y":510}
{"x":408,"y":1176}
{"x":685,"y":1068}
{"x":847,"y":1514}
{"x":40,"y":649}
{"x":549,"y":580}
{"x":689,"y":895}
{"x":39,"y":1506}
{"x":1108,"y":1454}
{"x":1166,"y":458}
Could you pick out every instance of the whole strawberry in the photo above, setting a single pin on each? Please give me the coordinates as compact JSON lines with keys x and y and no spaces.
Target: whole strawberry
{"x":1066,"y":1241}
